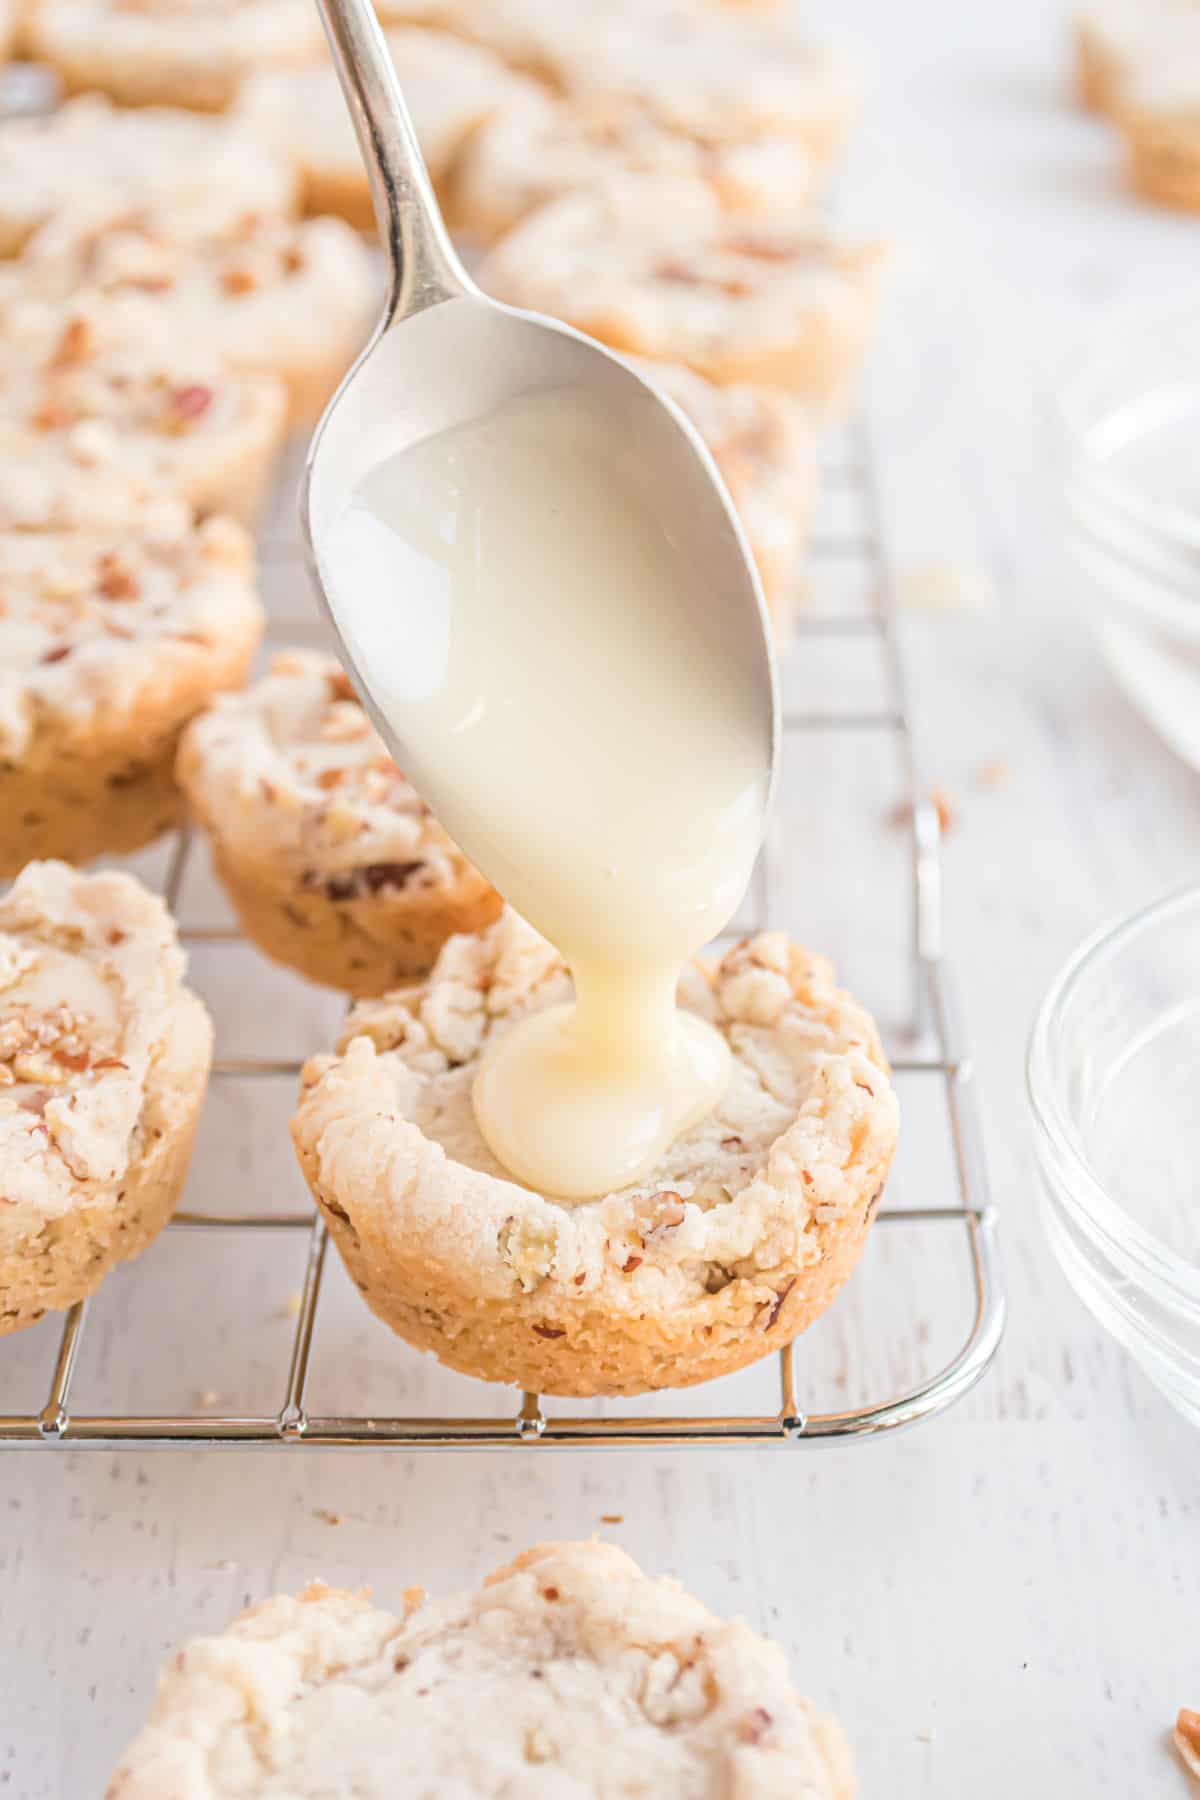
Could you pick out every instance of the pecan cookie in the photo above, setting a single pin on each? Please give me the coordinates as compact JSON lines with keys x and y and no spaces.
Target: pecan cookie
{"x":719,"y":78}
{"x":451,"y":88}
{"x":739,"y":1238}
{"x":331,"y":859}
{"x":90,"y":153}
{"x":579,"y":1675}
{"x":532,"y":153}
{"x":193,"y":53}
{"x":268,"y":297}
{"x":765,"y":446}
{"x":714,"y":75}
{"x":653,"y":266}
{"x":104,"y":1057}
{"x":110,"y":390}
{"x":109,"y":644}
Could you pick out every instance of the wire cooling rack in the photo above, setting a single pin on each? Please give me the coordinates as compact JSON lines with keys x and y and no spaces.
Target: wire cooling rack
{"x":927,"y":1051}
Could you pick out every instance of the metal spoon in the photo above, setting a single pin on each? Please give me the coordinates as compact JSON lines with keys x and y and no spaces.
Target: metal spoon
{"x":444,"y":353}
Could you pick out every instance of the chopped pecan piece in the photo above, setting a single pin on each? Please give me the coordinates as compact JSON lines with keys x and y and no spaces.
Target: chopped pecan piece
{"x":754,"y":1727}
{"x":190,"y":403}
{"x":239,"y":281}
{"x":1187,"y":1740}
{"x":75,"y":344}
{"x":773,"y":1311}
{"x":116,"y":580}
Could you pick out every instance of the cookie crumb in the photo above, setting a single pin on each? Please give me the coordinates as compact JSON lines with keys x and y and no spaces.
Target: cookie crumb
{"x":993,"y":774}
{"x":900,"y":816}
{"x":326,"y":1517}
{"x":1187,"y":1740}
{"x":944,"y":588}
{"x":612,"y":1518}
{"x":208,"y":1398}
{"x":291,"y":1306}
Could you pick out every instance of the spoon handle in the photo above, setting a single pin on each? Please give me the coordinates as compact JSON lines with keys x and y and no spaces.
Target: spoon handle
{"x":423,"y":263}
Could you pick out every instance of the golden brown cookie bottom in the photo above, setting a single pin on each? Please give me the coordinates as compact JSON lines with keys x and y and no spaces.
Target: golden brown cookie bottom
{"x":584,"y":1352}
{"x":112,"y":790}
{"x":69,"y":1258}
{"x":82,"y":807}
{"x":361,"y":946}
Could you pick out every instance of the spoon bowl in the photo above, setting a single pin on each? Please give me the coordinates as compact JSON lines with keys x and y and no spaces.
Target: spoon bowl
{"x":445,"y":354}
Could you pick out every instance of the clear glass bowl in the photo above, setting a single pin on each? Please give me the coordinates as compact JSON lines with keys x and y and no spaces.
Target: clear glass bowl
{"x":1128,"y":433}
{"x":1114,"y":1083}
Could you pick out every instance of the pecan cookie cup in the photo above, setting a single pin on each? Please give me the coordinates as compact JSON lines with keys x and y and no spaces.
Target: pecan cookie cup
{"x":90,"y":153}
{"x":560,"y":1644}
{"x":109,"y":644}
{"x":535,"y":152}
{"x":736,"y":1242}
{"x":110,"y":389}
{"x":451,"y":89}
{"x":765,"y":445}
{"x":332,"y":861}
{"x":266,"y":297}
{"x":191,"y":53}
{"x":653,"y":266}
{"x":104,"y":1058}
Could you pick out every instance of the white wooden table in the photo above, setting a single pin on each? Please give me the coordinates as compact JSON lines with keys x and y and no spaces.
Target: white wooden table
{"x":1004,"y":1602}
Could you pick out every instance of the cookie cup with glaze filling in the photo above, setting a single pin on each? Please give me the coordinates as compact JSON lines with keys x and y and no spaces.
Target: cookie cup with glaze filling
{"x":333,"y":863}
{"x":737,"y":1240}
{"x":104,"y":1059}
{"x":109,"y":644}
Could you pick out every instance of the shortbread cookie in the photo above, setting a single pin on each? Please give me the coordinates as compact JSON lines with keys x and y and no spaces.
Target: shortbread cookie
{"x":109,"y":644}
{"x":191,"y":53}
{"x":104,"y":1056}
{"x":205,"y":172}
{"x":537,"y":152}
{"x":734,"y":1243}
{"x":331,"y":859}
{"x":1158,"y":115}
{"x":569,"y":1674}
{"x":765,"y":446}
{"x":655,"y":267}
{"x":113,"y":391}
{"x":451,"y":88}
{"x":267,"y":296}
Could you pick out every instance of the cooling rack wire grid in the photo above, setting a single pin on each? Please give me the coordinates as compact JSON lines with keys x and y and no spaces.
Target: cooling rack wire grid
{"x":918,"y":1323}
